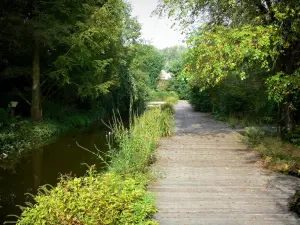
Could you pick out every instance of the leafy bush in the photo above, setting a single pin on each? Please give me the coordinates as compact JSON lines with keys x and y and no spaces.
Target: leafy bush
{"x":278,"y":155}
{"x":295,"y":204}
{"x":168,"y":107}
{"x":137,"y":145}
{"x":3,"y":117}
{"x":254,"y":134}
{"x":172,"y":100}
{"x":181,"y":87}
{"x":163,"y":85}
{"x":246,"y":101}
{"x":92,"y":199}
{"x":294,"y":137}
{"x":78,"y":120}
{"x":233,"y":121}
{"x":163,"y":96}
{"x":200,"y":100}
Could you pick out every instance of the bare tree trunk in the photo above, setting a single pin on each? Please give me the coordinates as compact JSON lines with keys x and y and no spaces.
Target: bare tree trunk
{"x":288,"y":116}
{"x":36,"y":107}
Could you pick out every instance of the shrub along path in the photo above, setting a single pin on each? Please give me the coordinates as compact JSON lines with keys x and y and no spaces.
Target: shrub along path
{"x":209,"y":177}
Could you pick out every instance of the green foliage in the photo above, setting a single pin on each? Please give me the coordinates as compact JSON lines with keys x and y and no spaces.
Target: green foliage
{"x":23,"y":135}
{"x":78,"y":121}
{"x":54,"y":111}
{"x":169,"y":107}
{"x":175,"y":64}
{"x":139,"y":74}
{"x":181,"y":87}
{"x":163,"y":85}
{"x":200,"y":100}
{"x":243,"y":99}
{"x":293,"y":137}
{"x":172,"y":100}
{"x":137,"y":145}
{"x":278,"y":155}
{"x":93,"y":58}
{"x":4,"y":119}
{"x":233,"y":121}
{"x":221,"y":117}
{"x":295,"y":204}
{"x":282,"y":85}
{"x":217,"y":52}
{"x":150,"y":61}
{"x":243,"y":102}
{"x":163,"y":96}
{"x":93,"y":199}
{"x":254,"y":134}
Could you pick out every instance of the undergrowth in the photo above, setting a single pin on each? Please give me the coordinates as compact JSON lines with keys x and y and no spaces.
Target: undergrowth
{"x":169,"y":97}
{"x":117,"y":197}
{"x":277,"y":155}
{"x":137,"y":144}
{"x":235,"y":121}
{"x":168,"y":107}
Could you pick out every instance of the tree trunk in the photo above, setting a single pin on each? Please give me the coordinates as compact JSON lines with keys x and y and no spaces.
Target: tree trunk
{"x":288,"y":116}
{"x":36,"y":107}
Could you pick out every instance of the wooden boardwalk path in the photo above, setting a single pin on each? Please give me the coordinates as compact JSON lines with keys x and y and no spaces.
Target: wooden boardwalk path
{"x":209,"y":177}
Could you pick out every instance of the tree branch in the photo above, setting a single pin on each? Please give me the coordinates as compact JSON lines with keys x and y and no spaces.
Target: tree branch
{"x":22,"y":96}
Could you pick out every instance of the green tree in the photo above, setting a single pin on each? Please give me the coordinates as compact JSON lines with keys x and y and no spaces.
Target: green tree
{"x":150,"y":61}
{"x":175,"y":64}
{"x":33,"y":28}
{"x":75,"y":48}
{"x":92,"y":60}
{"x":265,"y":33}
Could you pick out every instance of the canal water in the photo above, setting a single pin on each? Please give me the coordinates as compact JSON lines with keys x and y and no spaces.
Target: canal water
{"x":46,"y":165}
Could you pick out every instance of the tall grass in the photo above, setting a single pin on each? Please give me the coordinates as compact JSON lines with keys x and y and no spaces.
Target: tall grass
{"x":170,"y":97}
{"x":137,"y":145}
{"x":277,"y":154}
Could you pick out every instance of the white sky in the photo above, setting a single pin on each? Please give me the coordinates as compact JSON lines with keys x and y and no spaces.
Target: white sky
{"x":157,"y":31}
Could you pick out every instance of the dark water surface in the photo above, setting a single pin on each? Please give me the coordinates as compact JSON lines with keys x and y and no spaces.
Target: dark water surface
{"x":44,"y":166}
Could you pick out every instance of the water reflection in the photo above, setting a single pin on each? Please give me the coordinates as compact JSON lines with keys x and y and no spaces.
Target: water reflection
{"x":37,"y":157}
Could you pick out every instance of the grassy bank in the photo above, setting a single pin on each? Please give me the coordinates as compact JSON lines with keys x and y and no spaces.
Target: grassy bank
{"x":20,"y":135}
{"x":160,"y":96}
{"x":117,"y":197}
{"x":277,"y":154}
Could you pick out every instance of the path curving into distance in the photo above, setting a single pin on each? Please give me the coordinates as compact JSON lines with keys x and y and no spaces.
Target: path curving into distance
{"x":209,"y":177}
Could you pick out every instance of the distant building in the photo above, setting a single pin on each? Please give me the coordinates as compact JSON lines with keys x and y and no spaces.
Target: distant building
{"x":164,"y":75}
